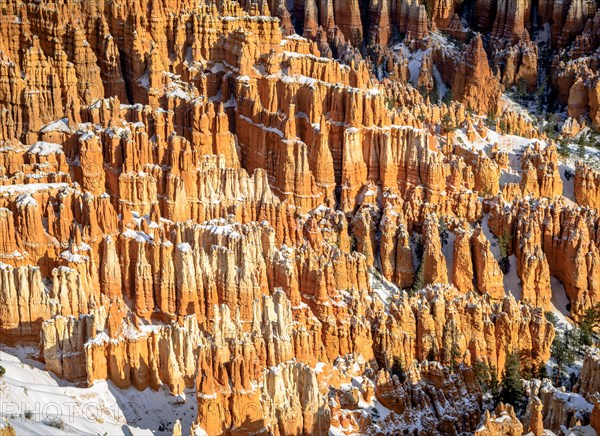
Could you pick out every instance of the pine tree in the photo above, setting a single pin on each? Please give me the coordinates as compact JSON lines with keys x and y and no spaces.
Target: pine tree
{"x":590,"y":321}
{"x":494,"y":384}
{"x":562,"y":354}
{"x":443,"y":231}
{"x":490,"y":121}
{"x":578,"y":340}
{"x":397,"y":369}
{"x":486,"y":377}
{"x":503,"y":246}
{"x":448,"y":97}
{"x":447,"y":123}
{"x":419,"y":282}
{"x":454,"y":353}
{"x":540,"y":372}
{"x":511,"y":387}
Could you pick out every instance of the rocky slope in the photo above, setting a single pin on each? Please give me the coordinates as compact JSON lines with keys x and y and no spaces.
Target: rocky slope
{"x":192,"y":195}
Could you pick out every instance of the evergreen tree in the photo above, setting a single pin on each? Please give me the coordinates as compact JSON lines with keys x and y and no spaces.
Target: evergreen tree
{"x":448,"y":97}
{"x":578,"y":340}
{"x":487,"y":378}
{"x":562,"y":354}
{"x":447,"y":123}
{"x":419,"y":282}
{"x":434,"y":94}
{"x":551,"y":318}
{"x":490,"y":121}
{"x":454,"y":350}
{"x":563,"y":148}
{"x":590,"y":321}
{"x":585,"y":336}
{"x":503,"y":246}
{"x":397,"y":369}
{"x":494,"y":384}
{"x":443,"y":231}
{"x":511,"y":387}
{"x":541,"y":372}
{"x":581,"y":151}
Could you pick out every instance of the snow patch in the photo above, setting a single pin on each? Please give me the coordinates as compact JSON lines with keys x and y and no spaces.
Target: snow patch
{"x":42,"y":148}
{"x":61,"y":125}
{"x":559,"y":300}
{"x":100,"y":409}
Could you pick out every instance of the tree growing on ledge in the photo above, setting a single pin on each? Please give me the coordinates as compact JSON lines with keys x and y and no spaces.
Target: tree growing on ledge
{"x":511,"y":387}
{"x":562,"y":354}
{"x":397,"y":369}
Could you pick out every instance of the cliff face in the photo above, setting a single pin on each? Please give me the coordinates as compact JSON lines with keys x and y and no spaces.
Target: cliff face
{"x":193,"y":195}
{"x":430,"y":389}
{"x":551,"y":240}
{"x":443,"y":324}
{"x":589,"y":378}
{"x":552,"y":408}
{"x":502,"y":421}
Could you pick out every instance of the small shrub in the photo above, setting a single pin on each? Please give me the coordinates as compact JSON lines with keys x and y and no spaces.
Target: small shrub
{"x":54,"y":421}
{"x":490,"y":121}
{"x":352,"y":243}
{"x":397,"y":369}
{"x":164,"y":426}
{"x":504,"y":248}
{"x":551,"y":318}
{"x":448,"y":97}
{"x":502,"y":126}
{"x":28,"y":414}
{"x":443,"y":231}
{"x":447,"y":123}
{"x":2,"y":371}
{"x":569,"y":174}
{"x":390,"y":103}
{"x":419,"y":280}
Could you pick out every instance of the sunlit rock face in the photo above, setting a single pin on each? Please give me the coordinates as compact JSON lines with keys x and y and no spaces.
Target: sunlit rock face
{"x":270,"y":203}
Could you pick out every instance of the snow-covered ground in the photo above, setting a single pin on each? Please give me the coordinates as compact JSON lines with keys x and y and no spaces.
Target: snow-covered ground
{"x":513,"y":145}
{"x":448,"y":252}
{"x":591,"y":155}
{"x":415,"y":59}
{"x":511,"y":281}
{"x":559,"y":301}
{"x":568,"y":183}
{"x":382,"y":287}
{"x":508,"y":143}
{"x":34,"y":401}
{"x":374,"y":408}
